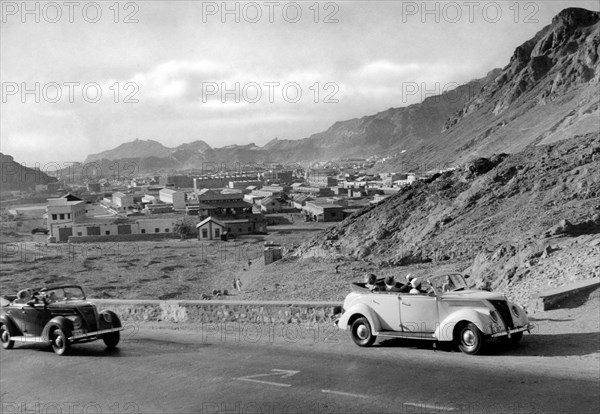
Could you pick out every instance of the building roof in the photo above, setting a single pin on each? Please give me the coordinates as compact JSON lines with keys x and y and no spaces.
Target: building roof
{"x":168,"y":191}
{"x":224,"y":204}
{"x":210,"y":219}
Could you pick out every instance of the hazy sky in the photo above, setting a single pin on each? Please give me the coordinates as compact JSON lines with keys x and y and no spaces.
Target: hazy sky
{"x":180,"y":71}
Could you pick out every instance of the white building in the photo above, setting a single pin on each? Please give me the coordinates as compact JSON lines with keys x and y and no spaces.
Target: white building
{"x":174,"y":197}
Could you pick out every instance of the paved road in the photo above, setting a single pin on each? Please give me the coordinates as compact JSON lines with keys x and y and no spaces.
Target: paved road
{"x":237,"y":371}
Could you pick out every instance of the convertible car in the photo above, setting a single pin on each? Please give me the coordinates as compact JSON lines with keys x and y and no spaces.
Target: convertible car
{"x":59,"y":316}
{"x":444,"y":310}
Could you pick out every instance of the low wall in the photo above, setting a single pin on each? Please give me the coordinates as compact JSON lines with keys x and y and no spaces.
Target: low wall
{"x":123,"y":237}
{"x":220,"y":311}
{"x":559,"y":297}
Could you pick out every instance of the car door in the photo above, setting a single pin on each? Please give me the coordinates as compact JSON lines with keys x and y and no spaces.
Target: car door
{"x":39,"y":316}
{"x":18,"y":314}
{"x":385,"y":306}
{"x":418,"y":313}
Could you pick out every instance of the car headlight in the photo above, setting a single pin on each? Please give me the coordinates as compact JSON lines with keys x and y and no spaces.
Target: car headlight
{"x":515,"y":310}
{"x":76,"y":322}
{"x":107,"y":317}
{"x":494,"y":316}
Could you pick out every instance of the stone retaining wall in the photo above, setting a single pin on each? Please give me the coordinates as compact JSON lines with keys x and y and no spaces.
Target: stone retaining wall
{"x":220,"y":311}
{"x":123,"y":237}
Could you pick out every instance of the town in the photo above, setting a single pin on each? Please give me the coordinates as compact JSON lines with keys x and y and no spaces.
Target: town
{"x":214,"y":203}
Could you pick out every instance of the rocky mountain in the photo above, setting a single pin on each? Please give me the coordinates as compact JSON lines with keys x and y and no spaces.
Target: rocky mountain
{"x":396,"y":128}
{"x":494,"y":218}
{"x":16,"y":177}
{"x":548,"y":91}
{"x":517,"y":222}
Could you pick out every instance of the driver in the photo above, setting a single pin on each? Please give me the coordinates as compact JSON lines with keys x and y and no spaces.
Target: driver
{"x":448,"y":285}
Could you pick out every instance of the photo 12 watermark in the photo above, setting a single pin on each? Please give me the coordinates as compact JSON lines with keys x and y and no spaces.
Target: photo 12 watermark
{"x":469,"y":11}
{"x":70,"y":171}
{"x":69,"y":407}
{"x":270,"y":12}
{"x":69,"y":92}
{"x":53,"y":12}
{"x":271,"y":92}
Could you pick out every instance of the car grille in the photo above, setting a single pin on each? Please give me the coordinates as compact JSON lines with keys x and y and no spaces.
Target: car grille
{"x":502,"y":308}
{"x":89,"y":316}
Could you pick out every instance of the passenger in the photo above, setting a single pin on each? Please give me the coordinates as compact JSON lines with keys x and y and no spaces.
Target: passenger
{"x":390,"y":284}
{"x":405,"y":288}
{"x":370,"y":282}
{"x":24,"y":296}
{"x":416,"y":287}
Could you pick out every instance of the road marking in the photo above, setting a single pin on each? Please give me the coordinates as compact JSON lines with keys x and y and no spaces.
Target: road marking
{"x":347,"y":394}
{"x":431,"y":406}
{"x":283,"y":373}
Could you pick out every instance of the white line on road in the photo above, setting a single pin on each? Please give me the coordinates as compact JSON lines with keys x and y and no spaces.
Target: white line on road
{"x":277,"y":372}
{"x":432,"y":406}
{"x":264,"y":382}
{"x":347,"y":394}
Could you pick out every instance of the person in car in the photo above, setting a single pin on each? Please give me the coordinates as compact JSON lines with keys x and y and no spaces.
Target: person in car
{"x":416,"y":287}
{"x":449,"y":285}
{"x":390,"y":284}
{"x":24,"y":296}
{"x":405,"y":288}
{"x":371,"y":282}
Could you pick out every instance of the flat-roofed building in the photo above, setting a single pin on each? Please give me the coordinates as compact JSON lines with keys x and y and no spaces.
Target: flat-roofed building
{"x":122,"y":201}
{"x":323,"y":211}
{"x":174,"y":197}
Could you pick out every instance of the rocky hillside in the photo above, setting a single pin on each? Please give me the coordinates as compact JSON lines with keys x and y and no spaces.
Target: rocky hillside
{"x":497,"y":216}
{"x":548,"y":91}
{"x":16,"y":177}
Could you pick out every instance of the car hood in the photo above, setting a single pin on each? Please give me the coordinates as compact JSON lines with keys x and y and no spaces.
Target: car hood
{"x":473,"y":294}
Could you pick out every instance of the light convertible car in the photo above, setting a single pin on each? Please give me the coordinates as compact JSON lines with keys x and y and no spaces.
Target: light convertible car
{"x":445,"y":310}
{"x":59,"y":316}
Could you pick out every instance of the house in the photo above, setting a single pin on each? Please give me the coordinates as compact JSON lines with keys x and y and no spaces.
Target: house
{"x":121,"y":200}
{"x":298,"y":200}
{"x":210,"y":229}
{"x":271,"y":205}
{"x":66,"y":209}
{"x":323,"y":211}
{"x":175,"y":197}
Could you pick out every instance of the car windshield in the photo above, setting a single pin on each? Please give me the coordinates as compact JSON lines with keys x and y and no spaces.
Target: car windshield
{"x":64,"y":293}
{"x":448,"y":283}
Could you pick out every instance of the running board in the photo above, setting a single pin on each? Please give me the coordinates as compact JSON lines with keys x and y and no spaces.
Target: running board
{"x":35,"y":339}
{"x":408,"y":335}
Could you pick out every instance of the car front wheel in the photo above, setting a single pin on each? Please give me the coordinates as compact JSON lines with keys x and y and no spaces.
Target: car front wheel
{"x":111,"y":340}
{"x":361,"y":332}
{"x":470,"y":339}
{"x":60,"y":343}
{"x":5,"y":337}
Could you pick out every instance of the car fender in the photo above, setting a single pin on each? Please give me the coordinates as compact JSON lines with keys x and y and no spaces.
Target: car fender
{"x":479,"y":316}
{"x":360,"y":309}
{"x":115,"y":321}
{"x":61,"y":322}
{"x":11,"y":325}
{"x":522,"y":319}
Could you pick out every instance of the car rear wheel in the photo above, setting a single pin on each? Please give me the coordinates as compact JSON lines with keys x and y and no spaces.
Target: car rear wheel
{"x":469,"y":339}
{"x":5,"y":337}
{"x":111,"y":340}
{"x":361,"y":332}
{"x":60,"y":343}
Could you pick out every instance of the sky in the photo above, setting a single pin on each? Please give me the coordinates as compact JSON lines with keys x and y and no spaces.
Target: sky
{"x":83,"y":77}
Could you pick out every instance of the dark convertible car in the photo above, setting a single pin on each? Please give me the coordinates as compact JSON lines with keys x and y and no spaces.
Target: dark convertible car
{"x":59,"y":316}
